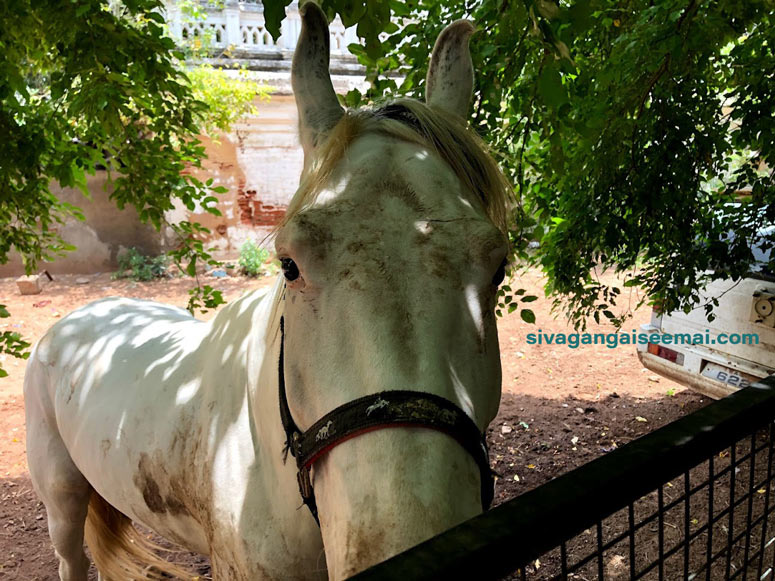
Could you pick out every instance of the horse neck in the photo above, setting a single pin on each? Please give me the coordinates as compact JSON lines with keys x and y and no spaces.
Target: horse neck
{"x":272,"y":495}
{"x":262,"y":367}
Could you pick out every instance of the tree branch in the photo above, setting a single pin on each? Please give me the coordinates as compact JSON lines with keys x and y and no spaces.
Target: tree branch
{"x":691,"y":8}
{"x":659,"y":72}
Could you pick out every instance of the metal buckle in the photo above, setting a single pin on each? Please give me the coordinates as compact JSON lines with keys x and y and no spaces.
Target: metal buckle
{"x":305,"y":486}
{"x":295,"y":444}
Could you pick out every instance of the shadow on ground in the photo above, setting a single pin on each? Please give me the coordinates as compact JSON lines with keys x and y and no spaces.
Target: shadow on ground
{"x":534,"y":440}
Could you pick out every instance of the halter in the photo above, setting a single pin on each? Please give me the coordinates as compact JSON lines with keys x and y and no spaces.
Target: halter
{"x":388,"y":409}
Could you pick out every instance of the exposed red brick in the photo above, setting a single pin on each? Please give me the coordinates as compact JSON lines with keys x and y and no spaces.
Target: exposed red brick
{"x":254,"y":212}
{"x":266,"y":214}
{"x":244,"y":203}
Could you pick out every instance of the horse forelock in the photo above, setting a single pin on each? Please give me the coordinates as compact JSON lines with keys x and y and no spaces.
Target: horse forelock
{"x":466,"y":154}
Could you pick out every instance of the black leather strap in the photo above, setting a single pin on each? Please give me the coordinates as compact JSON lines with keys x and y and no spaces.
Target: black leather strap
{"x":395,"y":409}
{"x":293,"y":433}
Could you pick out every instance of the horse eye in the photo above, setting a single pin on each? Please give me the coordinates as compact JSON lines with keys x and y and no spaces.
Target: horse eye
{"x":290,"y":270}
{"x":500,"y":274}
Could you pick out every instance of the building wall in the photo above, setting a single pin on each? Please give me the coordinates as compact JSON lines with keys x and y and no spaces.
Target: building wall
{"x":259,"y":162}
{"x":105,"y":231}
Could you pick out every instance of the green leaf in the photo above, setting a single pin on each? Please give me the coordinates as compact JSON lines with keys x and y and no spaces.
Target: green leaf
{"x":528,"y":316}
{"x":274,"y":13}
{"x":353,"y":98}
{"x":550,"y":87}
{"x":351,"y":11}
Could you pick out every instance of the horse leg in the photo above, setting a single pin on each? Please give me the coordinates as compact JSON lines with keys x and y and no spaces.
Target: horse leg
{"x":62,"y":488}
{"x":66,"y":516}
{"x":65,"y":493}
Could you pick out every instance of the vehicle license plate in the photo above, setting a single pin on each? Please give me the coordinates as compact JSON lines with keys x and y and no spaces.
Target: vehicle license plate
{"x":728,"y":376}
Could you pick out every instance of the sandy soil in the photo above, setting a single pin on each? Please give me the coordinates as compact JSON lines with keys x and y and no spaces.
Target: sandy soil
{"x":561,"y":407}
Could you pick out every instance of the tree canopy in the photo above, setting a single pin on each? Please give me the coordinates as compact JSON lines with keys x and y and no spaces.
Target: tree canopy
{"x":96,"y":84}
{"x":638,"y":134}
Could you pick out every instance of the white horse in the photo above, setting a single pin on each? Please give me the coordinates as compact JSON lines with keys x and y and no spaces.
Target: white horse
{"x":392,"y":251}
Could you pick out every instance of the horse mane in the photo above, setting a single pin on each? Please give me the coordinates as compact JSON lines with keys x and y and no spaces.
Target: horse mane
{"x":415,"y":122}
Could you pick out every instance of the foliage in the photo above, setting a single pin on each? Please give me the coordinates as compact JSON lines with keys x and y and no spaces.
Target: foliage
{"x":203,"y":298}
{"x":12,"y":342}
{"x":252,"y":258}
{"x":200,"y":45}
{"x":228,"y":95}
{"x":135,"y":265}
{"x":628,"y":128}
{"x":70,"y":106}
{"x":511,"y":300}
{"x":98,"y":84}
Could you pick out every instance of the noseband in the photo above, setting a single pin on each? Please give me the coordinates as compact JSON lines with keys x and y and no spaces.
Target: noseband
{"x":388,"y":409}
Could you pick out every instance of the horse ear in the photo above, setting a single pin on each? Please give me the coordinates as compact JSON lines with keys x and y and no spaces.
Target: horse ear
{"x":450,"y":81}
{"x":316,"y":101}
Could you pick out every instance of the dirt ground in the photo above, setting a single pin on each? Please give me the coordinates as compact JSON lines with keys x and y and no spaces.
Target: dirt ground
{"x":561,"y":407}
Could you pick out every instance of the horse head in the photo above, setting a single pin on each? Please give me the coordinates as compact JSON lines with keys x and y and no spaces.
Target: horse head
{"x":392,"y":252}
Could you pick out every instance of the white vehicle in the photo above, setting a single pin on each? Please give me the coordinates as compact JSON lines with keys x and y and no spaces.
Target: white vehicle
{"x":734,"y":350}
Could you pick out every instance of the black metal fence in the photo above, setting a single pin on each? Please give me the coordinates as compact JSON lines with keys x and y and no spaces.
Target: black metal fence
{"x":694,"y":500}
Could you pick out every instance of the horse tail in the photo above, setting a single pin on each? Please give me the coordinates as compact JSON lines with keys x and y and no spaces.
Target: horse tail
{"x":119,"y":551}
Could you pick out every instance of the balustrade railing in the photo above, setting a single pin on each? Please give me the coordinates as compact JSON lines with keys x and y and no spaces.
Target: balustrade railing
{"x":239,"y":26}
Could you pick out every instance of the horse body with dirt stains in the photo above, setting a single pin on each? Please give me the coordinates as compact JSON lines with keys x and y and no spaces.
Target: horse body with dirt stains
{"x":392,"y":251}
